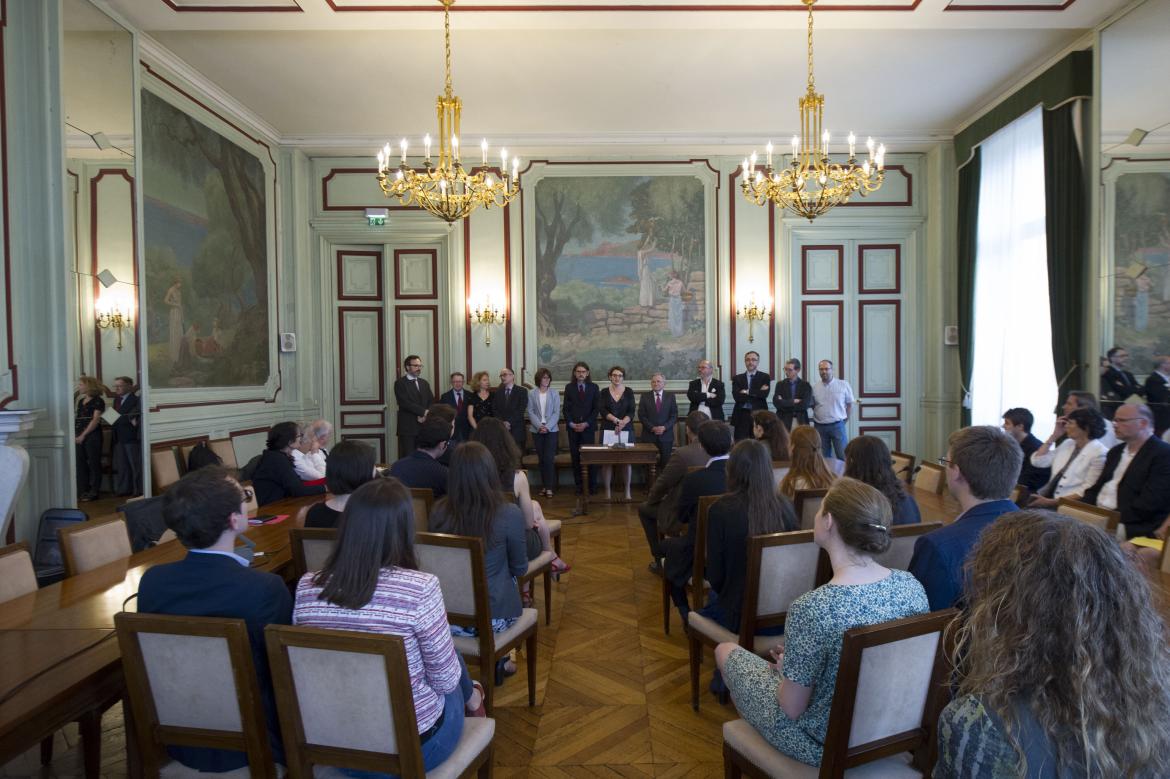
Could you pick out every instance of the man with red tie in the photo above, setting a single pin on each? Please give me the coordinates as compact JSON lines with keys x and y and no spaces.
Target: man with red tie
{"x":456,"y":397}
{"x":658,"y":413}
{"x":581,"y":401}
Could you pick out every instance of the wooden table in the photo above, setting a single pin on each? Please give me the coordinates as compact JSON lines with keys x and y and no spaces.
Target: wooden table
{"x":638,"y":454}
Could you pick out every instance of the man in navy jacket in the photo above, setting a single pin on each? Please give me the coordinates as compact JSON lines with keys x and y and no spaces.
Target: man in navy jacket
{"x":982,"y":463}
{"x":206,"y":509}
{"x":421,"y":468}
{"x":580,"y":403}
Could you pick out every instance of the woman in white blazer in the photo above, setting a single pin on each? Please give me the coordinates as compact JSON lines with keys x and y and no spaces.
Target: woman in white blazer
{"x":544,"y":413}
{"x":1076,"y":462}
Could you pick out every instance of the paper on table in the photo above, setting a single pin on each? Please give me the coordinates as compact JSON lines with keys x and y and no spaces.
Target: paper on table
{"x":110,"y":416}
{"x":271,"y":520}
{"x":1152,"y":543}
{"x":613,"y":437}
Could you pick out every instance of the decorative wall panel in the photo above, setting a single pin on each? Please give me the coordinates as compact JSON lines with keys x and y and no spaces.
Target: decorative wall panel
{"x":823,"y":327}
{"x":360,"y":337}
{"x":879,"y":326}
{"x":415,"y":273}
{"x":359,"y":275}
{"x":824,"y":270}
{"x":879,"y":268}
{"x":418,"y":334}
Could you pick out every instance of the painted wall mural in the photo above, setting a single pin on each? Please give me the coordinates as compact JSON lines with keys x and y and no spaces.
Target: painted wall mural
{"x":205,"y":227}
{"x":1141,"y":252}
{"x":621,"y":274}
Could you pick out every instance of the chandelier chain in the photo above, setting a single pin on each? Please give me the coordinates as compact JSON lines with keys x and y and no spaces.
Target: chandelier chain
{"x":447,"y":43}
{"x":811,"y":87}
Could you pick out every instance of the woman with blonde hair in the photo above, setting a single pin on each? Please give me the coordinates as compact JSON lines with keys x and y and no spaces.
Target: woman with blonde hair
{"x":479,"y":403}
{"x":808,"y":470}
{"x":789,"y":702}
{"x":89,"y":405}
{"x":1063,"y":660}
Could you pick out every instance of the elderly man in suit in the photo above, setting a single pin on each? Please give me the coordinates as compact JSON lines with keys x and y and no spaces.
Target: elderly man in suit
{"x":413,"y":395}
{"x":456,"y":397}
{"x":793,"y":397}
{"x":707,"y":393}
{"x":749,"y":391}
{"x":658,"y":413}
{"x":581,"y":401}
{"x":127,"y":452}
{"x":658,"y":512}
{"x":1136,"y":478}
{"x":509,"y":403}
{"x":1158,"y":393}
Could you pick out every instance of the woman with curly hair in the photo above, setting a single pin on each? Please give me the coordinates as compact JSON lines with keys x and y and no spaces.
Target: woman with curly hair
{"x":808,"y":470}
{"x":768,"y":428}
{"x":867,"y":459}
{"x":1064,"y":664}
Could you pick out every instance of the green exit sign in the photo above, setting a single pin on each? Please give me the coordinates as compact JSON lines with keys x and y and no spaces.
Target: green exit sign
{"x":376,"y":221}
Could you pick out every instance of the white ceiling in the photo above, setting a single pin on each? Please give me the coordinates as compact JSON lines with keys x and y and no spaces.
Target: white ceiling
{"x":329,"y":78}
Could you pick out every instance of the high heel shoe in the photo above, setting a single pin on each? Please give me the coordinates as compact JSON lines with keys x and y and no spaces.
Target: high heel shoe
{"x":560,"y":566}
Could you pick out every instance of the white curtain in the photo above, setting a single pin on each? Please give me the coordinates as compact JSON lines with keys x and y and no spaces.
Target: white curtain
{"x":1013,"y":364}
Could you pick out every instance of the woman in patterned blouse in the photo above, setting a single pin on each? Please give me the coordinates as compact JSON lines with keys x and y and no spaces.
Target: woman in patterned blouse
{"x":788,"y":702}
{"x":371,"y":583}
{"x":1064,"y":662}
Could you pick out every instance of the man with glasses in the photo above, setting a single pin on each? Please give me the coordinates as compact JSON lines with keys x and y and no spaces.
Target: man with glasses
{"x":982,"y":464}
{"x":1136,"y":478}
{"x":509,"y":402}
{"x":793,"y":397}
{"x":749,"y":391}
{"x":413,"y":395}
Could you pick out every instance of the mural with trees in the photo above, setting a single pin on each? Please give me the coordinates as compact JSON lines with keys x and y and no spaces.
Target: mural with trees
{"x":621,"y":274}
{"x":206,"y":234}
{"x":1141,"y":252}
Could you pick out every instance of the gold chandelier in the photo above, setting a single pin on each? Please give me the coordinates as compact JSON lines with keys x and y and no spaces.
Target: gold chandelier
{"x":812,"y":184}
{"x":448,"y":190}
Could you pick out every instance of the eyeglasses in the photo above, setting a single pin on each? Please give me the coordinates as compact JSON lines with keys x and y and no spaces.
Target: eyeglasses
{"x":248,"y":495}
{"x":944,"y":462}
{"x":1119,"y":420}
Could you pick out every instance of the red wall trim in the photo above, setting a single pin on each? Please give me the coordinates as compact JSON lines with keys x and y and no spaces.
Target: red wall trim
{"x":4,"y":221}
{"x":732,"y":202}
{"x":341,"y":356}
{"x":232,"y":9}
{"x":378,"y":204}
{"x":466,"y":290}
{"x":398,"y":353}
{"x":993,"y":7}
{"x":861,"y":202}
{"x":897,"y":304}
{"x":895,"y":429}
{"x":840,"y":288}
{"x":507,"y":293}
{"x":248,"y":431}
{"x":398,"y":293}
{"x":94,"y":266}
{"x":377,"y":255}
{"x":897,"y":288}
{"x":337,"y":5}
{"x":806,"y":358}
{"x":897,"y":417}
{"x":381,"y":413}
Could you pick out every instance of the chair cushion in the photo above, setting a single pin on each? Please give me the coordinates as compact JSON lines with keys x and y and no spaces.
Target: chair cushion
{"x":554,"y":526}
{"x":717,"y":634}
{"x":176,"y":770}
{"x":477,"y":735}
{"x":469,"y":645}
{"x":747,"y":741}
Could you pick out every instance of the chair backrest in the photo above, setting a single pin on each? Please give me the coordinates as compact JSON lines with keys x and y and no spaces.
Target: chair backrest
{"x":191,"y":682}
{"x":780,"y":568}
{"x":902,"y":540}
{"x":563,"y":438}
{"x":1164,"y":566}
{"x":185,"y":453}
{"x":700,"y":561}
{"x":808,"y":503}
{"x":345,"y":700}
{"x":144,"y":521}
{"x":458,"y":562}
{"x":931,"y":477}
{"x":1018,"y":492}
{"x":164,"y":468}
{"x":310,"y":548}
{"x":422,"y":500}
{"x":891,"y":688}
{"x":89,"y":545}
{"x":226,"y":451}
{"x":47,"y":551}
{"x":779,"y":471}
{"x":1106,"y":519}
{"x":17,"y":576}
{"x":903,"y":465}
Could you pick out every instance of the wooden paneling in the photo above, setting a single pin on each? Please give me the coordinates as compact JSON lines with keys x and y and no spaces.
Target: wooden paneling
{"x":823,"y":326}
{"x":879,"y":356}
{"x":415,"y":274}
{"x":359,"y":332}
{"x":418,"y":333}
{"x":359,"y":275}
{"x":822,"y":269}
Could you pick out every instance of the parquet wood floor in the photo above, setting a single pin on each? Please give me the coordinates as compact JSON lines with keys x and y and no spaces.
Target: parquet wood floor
{"x":612,"y":691}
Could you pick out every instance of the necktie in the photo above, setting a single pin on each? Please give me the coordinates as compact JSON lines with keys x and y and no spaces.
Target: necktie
{"x":507,"y":393}
{"x":581,"y":392}
{"x":658,"y":402}
{"x":458,"y":401}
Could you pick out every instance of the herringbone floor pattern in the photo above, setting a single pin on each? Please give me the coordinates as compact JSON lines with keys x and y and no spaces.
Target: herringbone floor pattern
{"x":612,"y":691}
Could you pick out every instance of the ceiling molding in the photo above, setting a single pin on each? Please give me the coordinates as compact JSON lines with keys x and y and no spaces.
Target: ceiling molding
{"x":598,"y":6}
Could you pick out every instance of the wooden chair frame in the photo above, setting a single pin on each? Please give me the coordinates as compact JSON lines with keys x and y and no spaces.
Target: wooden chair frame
{"x":65,"y":534}
{"x":838,"y":756}
{"x":926,"y":465}
{"x":302,"y":756}
{"x":905,"y":473}
{"x":297,"y":536}
{"x":489,"y":651}
{"x":700,"y":559}
{"x":153,"y":736}
{"x":156,"y":484}
{"x":1112,"y":518}
{"x":16,"y":548}
{"x":1018,"y":491}
{"x":530,"y":576}
{"x":427,"y":496}
{"x":799,"y":499}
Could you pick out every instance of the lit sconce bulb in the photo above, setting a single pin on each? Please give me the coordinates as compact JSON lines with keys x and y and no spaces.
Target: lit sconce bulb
{"x":759,"y":176}
{"x":488,"y":180}
{"x":869,"y":146}
{"x":443,"y":186}
{"x":400,"y":175}
{"x":744,"y":164}
{"x":865,"y":168}
{"x":823,"y":179}
{"x":381,"y":161}
{"x":402,"y":146}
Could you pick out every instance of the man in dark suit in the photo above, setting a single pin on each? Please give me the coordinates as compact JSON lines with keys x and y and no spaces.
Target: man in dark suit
{"x":982,"y":464}
{"x":1117,"y":383}
{"x":658,"y":512}
{"x":707,"y":392}
{"x":793,"y":397}
{"x":127,"y":454}
{"x":749,"y":391}
{"x":456,"y":397}
{"x":421,"y":468}
{"x":715,"y":438}
{"x":509,"y":402}
{"x":658,"y":413}
{"x":1136,"y":478}
{"x":580,"y":403}
{"x":413,"y":395}
{"x":1158,"y":393}
{"x":1017,"y":422}
{"x":206,"y":510}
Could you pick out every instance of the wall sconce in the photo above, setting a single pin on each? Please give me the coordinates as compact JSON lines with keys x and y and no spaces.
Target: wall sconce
{"x":113,"y":311}
{"x":485,"y":313}
{"x":754,"y":312}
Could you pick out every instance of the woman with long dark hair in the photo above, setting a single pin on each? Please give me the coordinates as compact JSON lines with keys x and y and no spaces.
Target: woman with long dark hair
{"x":275,"y":478}
{"x":767,"y":427}
{"x":371,"y":583}
{"x":867,"y":459}
{"x":350,"y":465}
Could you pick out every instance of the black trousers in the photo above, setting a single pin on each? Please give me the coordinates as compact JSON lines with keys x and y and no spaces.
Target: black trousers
{"x":546,"y":453}
{"x":576,"y":440}
{"x":128,"y":468}
{"x":89,"y":463}
{"x":649,"y":517}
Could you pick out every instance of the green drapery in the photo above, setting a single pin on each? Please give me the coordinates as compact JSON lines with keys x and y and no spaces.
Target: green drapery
{"x":968,"y":231}
{"x":1065,"y":217}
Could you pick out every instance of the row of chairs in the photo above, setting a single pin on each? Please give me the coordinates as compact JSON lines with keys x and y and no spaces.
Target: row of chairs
{"x":168,"y":464}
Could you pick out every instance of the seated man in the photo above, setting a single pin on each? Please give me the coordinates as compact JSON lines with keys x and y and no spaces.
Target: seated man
{"x":206,"y":510}
{"x":659,"y":510}
{"x":982,"y":464}
{"x":443,"y":411}
{"x":716,"y":439}
{"x":1136,"y":478}
{"x":421,"y":468}
{"x":1017,"y":422}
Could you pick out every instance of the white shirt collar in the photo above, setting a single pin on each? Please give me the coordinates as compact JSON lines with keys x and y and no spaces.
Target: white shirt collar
{"x":235,"y":557}
{"x":720,"y":457}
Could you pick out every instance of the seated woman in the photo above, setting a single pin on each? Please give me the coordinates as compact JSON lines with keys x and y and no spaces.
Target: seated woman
{"x":307,"y":459}
{"x":514,"y":481}
{"x":371,"y":583}
{"x":474,"y":506}
{"x":350,"y":465}
{"x":1068,"y":681}
{"x":275,"y":478}
{"x":1076,"y":462}
{"x":808,"y":470}
{"x":789,"y":702}
{"x":867,"y":459}
{"x":768,"y":428}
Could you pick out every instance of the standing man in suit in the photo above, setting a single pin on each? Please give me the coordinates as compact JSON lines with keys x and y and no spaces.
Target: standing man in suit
{"x":707,"y":393}
{"x":1136,"y":478}
{"x":793,"y":397}
{"x":456,"y":397}
{"x":509,"y":404}
{"x":1158,"y":393}
{"x":581,"y":400}
{"x":413,"y":395}
{"x":127,"y":445}
{"x":749,"y":391}
{"x":1117,"y":383}
{"x":658,"y":413}
{"x":206,"y":510}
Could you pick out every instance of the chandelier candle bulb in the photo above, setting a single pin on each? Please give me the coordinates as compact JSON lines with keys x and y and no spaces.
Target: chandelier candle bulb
{"x":795,"y":147}
{"x":825,"y":144}
{"x":515,"y":168}
{"x":852,"y":145}
{"x":769,"y":150}
{"x":402,"y":145}
{"x":483,"y":151}
{"x":427,"y":147}
{"x":454,"y":147}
